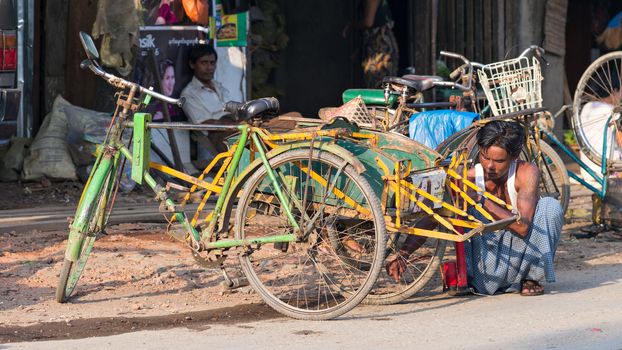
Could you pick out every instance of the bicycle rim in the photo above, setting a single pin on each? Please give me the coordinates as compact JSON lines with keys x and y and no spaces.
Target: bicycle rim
{"x":590,"y":113}
{"x":329,"y":273}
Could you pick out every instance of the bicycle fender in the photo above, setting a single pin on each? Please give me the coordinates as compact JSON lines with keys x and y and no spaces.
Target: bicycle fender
{"x":324,"y":146}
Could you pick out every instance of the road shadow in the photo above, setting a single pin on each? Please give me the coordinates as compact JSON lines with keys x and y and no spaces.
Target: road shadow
{"x":106,"y":326}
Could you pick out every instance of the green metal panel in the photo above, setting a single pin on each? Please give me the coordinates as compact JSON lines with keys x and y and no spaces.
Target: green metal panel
{"x":369,"y":96}
{"x":141,"y":146}
{"x":388,"y":149}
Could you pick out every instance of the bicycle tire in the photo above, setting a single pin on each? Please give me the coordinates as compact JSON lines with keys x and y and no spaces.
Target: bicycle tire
{"x":420,"y":267}
{"x":595,"y":83}
{"x":97,"y":217}
{"x":554,"y":179}
{"x":284,"y":275}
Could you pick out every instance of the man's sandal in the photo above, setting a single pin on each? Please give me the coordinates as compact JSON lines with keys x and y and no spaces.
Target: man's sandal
{"x":530,"y":288}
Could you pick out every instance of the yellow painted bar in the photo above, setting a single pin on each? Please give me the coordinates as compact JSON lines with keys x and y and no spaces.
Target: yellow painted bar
{"x":476,"y":188}
{"x":436,"y":234}
{"x":471,"y":201}
{"x":211,"y":165}
{"x":359,"y":135}
{"x":299,"y":136}
{"x":465,"y":173}
{"x":337,"y":192}
{"x":445,"y":205}
{"x":464,"y":223}
{"x":225,"y":165}
{"x":187,"y":178}
{"x":384,"y":168}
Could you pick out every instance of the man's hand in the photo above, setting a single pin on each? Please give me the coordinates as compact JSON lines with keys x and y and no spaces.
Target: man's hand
{"x":396,"y":267}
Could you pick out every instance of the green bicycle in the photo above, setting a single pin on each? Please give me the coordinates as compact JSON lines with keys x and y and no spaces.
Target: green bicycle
{"x":290,"y":197}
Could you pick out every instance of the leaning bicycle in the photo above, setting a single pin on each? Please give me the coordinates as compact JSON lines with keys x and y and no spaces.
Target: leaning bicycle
{"x":283,"y":201}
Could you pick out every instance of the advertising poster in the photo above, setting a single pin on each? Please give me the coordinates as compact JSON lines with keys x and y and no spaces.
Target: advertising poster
{"x":162,"y":62}
{"x":229,"y":30}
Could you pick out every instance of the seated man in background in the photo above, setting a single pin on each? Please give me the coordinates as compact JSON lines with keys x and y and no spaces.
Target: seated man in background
{"x":205,"y":98}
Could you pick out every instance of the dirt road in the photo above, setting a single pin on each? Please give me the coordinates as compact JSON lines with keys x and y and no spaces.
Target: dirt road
{"x":581,"y":311}
{"x":140,"y":279}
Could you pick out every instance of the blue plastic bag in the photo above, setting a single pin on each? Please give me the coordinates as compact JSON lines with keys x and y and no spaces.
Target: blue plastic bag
{"x":431,"y":128}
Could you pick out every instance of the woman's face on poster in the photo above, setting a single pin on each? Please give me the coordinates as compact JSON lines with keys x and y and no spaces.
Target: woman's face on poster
{"x":168,"y":81}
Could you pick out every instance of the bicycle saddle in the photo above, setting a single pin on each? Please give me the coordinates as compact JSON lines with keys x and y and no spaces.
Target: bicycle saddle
{"x":424,"y":82}
{"x":252,"y":108}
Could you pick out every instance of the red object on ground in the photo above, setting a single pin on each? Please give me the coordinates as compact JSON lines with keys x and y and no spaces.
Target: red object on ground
{"x":461,"y":268}
{"x":449,"y":271}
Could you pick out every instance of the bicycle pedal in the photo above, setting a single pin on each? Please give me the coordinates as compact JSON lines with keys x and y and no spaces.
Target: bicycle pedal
{"x":177,"y":187}
{"x":178,"y":232}
{"x":282,"y":246}
{"x":165,"y":208}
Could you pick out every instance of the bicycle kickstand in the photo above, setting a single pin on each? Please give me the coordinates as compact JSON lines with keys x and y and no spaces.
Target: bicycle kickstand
{"x":235,"y":282}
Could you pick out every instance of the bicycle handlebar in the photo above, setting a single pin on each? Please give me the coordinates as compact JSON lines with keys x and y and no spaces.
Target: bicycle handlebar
{"x":122,"y":83}
{"x":538,"y":52}
{"x":467,"y":63}
{"x":477,"y":65}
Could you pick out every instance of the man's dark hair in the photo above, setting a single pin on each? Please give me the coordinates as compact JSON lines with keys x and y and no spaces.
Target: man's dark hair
{"x":505,"y":134}
{"x":199,"y":51}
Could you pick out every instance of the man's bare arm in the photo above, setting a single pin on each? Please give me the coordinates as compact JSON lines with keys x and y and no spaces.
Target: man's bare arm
{"x":527,"y":181}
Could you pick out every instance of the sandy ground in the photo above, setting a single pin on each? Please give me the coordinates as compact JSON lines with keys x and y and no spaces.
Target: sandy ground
{"x":139,"y":278}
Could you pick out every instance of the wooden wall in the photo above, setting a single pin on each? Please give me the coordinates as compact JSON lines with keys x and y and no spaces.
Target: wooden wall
{"x":481,"y":30}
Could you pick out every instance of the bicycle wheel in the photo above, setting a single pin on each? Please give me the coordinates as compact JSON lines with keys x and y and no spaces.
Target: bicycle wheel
{"x":554,"y":180}
{"x":330,"y":271}
{"x":96,"y":217}
{"x":594,"y":101}
{"x":419,"y":268}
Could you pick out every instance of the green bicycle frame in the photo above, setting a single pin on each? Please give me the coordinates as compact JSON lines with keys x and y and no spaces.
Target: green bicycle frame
{"x":599,"y":178}
{"x":79,"y":225}
{"x":245,"y":132}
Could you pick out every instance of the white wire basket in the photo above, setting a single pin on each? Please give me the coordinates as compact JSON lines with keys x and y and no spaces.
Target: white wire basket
{"x":512,"y":85}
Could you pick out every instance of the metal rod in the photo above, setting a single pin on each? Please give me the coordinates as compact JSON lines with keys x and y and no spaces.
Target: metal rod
{"x":185,"y":126}
{"x":286,"y":205}
{"x":574,"y":158}
{"x":230,"y":174}
{"x":228,"y":243}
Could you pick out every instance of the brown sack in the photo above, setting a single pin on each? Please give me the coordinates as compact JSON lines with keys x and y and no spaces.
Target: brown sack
{"x":197,"y":11}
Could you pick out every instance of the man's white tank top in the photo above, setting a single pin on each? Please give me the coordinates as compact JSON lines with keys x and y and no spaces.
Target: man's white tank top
{"x":481,"y":183}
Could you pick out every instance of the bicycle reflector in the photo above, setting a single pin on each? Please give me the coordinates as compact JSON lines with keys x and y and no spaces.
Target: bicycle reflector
{"x":8,"y":51}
